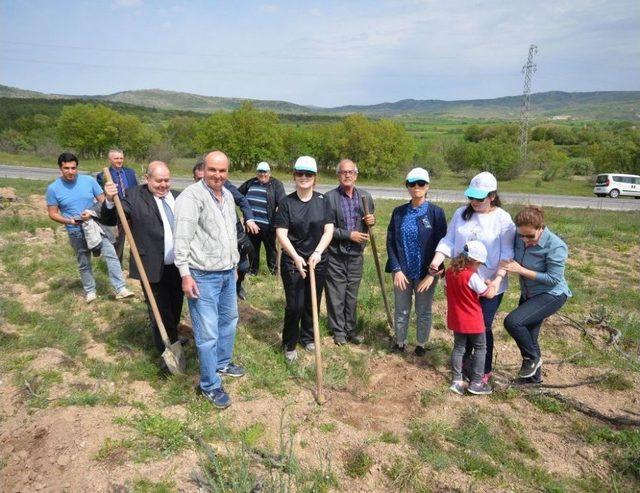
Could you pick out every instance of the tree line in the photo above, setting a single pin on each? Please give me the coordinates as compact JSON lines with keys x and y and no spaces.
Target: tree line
{"x":381,"y":147}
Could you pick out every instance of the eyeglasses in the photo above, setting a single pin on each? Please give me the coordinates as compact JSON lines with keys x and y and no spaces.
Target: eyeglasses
{"x":348,"y":172}
{"x":306,"y":174}
{"x":419,"y":183}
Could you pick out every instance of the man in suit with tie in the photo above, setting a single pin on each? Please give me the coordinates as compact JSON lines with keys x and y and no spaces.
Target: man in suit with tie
{"x":149,"y":209}
{"x":124,"y":178}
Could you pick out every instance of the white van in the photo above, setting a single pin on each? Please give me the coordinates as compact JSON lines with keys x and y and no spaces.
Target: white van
{"x":616,"y":184}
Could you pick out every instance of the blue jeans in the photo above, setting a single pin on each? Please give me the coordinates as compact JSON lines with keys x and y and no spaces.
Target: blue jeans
{"x":423,"y":302}
{"x":489,"y":309}
{"x":523,"y":323}
{"x":460,"y":342}
{"x":83,"y":256}
{"x":214,"y":316}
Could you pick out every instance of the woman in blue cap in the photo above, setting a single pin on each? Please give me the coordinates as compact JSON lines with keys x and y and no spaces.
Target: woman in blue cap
{"x":304,"y":230}
{"x":413,"y":234}
{"x":484,"y":220}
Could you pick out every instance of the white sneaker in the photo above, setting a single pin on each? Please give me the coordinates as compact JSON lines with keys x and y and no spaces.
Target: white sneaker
{"x":291,"y":356}
{"x":123,"y":293}
{"x":90,"y":297}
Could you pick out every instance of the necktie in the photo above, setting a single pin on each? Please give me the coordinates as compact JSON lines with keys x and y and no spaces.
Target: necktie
{"x":168,"y":212}
{"x":123,"y":184}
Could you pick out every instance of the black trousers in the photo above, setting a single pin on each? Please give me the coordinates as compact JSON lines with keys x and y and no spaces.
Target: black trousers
{"x":119,"y":244}
{"x":267,"y":235}
{"x":298,"y":319}
{"x":169,"y":298}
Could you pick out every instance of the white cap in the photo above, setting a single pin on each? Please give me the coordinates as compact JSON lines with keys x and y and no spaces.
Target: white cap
{"x":476,"y":250}
{"x":481,"y":185}
{"x":306,"y":163}
{"x":263,"y":166}
{"x":417,"y":174}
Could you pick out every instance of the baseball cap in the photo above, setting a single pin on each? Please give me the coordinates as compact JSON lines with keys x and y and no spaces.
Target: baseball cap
{"x":306,"y":163}
{"x":476,"y":250}
{"x":417,"y":174}
{"x":481,"y":185}
{"x":263,"y":166}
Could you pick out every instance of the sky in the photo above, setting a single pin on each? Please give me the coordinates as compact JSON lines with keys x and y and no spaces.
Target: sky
{"x":327,"y":53}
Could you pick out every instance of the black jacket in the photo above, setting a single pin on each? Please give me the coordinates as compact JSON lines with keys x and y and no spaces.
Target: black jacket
{"x":341,"y":244}
{"x":275,"y":194}
{"x":147,"y":229}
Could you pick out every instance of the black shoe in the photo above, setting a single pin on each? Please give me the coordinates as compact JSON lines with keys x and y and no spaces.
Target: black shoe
{"x":397,"y":348}
{"x":420,"y":351}
{"x":529,"y":367}
{"x":356,"y":339}
{"x":242,"y":293}
{"x":340,"y":341}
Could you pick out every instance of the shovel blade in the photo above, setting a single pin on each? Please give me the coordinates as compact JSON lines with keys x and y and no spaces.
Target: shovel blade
{"x":174,"y":358}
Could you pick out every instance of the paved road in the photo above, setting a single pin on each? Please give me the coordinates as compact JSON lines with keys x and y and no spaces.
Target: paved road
{"x":568,"y":201}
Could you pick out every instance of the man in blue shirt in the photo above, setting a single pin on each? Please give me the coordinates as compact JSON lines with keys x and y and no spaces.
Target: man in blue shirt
{"x":69,"y":201}
{"x":124,"y":178}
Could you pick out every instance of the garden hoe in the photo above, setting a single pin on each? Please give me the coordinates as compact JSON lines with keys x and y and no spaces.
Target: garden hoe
{"x":173,"y":355}
{"x":316,"y":336}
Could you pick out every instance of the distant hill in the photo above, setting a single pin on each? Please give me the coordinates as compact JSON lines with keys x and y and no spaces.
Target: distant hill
{"x":601,"y":105}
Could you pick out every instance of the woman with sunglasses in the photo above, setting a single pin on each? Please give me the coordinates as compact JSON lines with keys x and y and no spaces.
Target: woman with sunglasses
{"x":412,"y":236}
{"x":539,"y":260}
{"x":482,"y":219}
{"x":304,"y":230}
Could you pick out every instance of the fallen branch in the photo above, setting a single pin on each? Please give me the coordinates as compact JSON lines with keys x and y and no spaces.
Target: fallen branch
{"x":575,"y":324}
{"x":589,"y":381}
{"x":583,"y":408}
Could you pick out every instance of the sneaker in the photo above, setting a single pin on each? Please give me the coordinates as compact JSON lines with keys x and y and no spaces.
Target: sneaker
{"x":340,"y":341}
{"x":291,"y":356}
{"x":123,"y":293}
{"x":356,"y":339}
{"x":397,"y":348}
{"x":420,"y":351}
{"x":232,"y":370}
{"x":529,"y":367}
{"x":486,"y":377}
{"x":479,"y":388}
{"x":310,"y":347}
{"x":90,"y":297}
{"x":218,"y":397}
{"x":457,"y":387}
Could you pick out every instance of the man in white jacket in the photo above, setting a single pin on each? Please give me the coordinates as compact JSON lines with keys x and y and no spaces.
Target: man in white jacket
{"x":206,"y":254}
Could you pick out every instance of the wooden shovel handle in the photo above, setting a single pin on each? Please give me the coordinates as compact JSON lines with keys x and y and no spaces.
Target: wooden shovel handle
{"x":316,"y":335}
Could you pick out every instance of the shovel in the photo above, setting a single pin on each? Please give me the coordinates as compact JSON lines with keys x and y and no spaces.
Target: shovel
{"x":316,"y":336}
{"x":173,"y":355}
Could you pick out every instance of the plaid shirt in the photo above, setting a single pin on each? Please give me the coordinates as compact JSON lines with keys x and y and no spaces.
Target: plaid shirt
{"x":350,"y":208}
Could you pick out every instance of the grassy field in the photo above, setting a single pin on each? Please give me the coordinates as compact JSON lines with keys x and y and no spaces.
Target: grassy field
{"x":82,"y":396}
{"x":529,"y":183}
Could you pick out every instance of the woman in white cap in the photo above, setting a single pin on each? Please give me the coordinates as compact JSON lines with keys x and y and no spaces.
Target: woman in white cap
{"x":484,"y":220}
{"x":413,"y":234}
{"x":304,"y":229}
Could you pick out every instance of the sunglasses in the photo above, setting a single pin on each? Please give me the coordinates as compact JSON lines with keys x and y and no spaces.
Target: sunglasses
{"x":306,"y":174}
{"x":419,"y":183}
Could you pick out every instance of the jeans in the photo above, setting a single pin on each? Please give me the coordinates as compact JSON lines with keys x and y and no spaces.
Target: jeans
{"x":214,"y":316}
{"x":298,"y":319}
{"x":489,"y":309}
{"x":83,"y":256}
{"x":523,"y":323}
{"x":460,"y":343}
{"x":344,"y":273}
{"x":402,"y":312}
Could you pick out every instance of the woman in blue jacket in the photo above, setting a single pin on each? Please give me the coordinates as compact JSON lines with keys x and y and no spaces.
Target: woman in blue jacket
{"x":413,"y":234}
{"x":539,"y":259}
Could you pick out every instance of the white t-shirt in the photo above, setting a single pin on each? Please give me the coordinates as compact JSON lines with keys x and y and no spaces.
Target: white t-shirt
{"x":494,"y":229}
{"x":168,"y":231}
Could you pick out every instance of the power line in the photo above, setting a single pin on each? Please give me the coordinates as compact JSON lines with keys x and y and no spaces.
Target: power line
{"x":525,"y":112}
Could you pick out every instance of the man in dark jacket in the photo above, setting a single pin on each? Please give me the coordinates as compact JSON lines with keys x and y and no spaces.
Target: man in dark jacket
{"x":263,"y":193}
{"x":149,"y":209}
{"x":344,"y":266}
{"x":124,"y":178}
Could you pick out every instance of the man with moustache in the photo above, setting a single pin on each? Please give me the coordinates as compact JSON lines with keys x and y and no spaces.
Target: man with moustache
{"x":150,"y":211}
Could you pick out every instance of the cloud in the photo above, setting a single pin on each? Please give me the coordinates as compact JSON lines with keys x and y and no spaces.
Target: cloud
{"x":270,"y":8}
{"x":315,"y":12}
